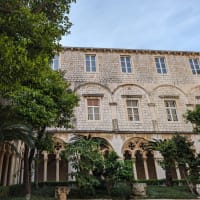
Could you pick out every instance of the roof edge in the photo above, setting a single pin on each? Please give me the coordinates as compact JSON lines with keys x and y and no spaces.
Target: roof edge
{"x":139,"y":51}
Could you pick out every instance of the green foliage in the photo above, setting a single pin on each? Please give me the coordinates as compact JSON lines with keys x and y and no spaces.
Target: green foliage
{"x":16,"y":190}
{"x":4,"y":191}
{"x":121,"y":190}
{"x":29,"y":36}
{"x":116,"y":171}
{"x":178,"y":150}
{"x":13,"y":128}
{"x":194,"y":118}
{"x":175,"y":192}
{"x":83,"y":152}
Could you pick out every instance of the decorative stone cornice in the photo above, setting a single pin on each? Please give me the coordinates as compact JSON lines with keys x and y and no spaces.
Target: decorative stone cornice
{"x":131,"y":96}
{"x":169,"y":96}
{"x":93,"y":95}
{"x":136,"y":51}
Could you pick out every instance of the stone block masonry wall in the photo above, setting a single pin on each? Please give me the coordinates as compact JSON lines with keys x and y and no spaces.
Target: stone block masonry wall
{"x":143,"y":83}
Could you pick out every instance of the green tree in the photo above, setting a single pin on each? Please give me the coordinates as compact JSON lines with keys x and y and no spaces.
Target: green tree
{"x":29,"y":38}
{"x":193,"y":116}
{"x":12,"y":128}
{"x":178,"y":150}
{"x":84,"y":155}
{"x":167,"y":149}
{"x":115,"y":171}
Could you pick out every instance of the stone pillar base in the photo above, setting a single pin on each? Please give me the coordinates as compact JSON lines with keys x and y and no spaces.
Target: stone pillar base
{"x":139,"y":189}
{"x":61,"y":192}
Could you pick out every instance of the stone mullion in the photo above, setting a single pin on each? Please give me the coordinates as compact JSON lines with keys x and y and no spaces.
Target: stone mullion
{"x":146,"y":168}
{"x":1,"y":162}
{"x":45,"y":166}
{"x":5,"y":175}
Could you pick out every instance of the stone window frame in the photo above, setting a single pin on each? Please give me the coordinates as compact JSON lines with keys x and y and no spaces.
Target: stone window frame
{"x":126,"y":67}
{"x":100,"y":107}
{"x":169,"y":111}
{"x":159,"y":65}
{"x":195,"y":67}
{"x":90,"y":67}
{"x":55,"y":64}
{"x":133,"y":97}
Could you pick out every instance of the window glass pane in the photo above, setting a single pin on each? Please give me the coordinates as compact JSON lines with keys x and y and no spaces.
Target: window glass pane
{"x":128,"y":102}
{"x":162,"y":60}
{"x":123,"y":69}
{"x":164,"y":71}
{"x":90,"y":116}
{"x":87,"y":58}
{"x":87,"y":63}
{"x":93,"y":63}
{"x":93,"y":58}
{"x":129,"y":111}
{"x":159,"y":70}
{"x":122,"y":59}
{"x":129,"y":70}
{"x":195,"y":61}
{"x":96,"y":117}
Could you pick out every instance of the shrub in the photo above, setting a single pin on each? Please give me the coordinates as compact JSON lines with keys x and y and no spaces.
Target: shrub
{"x":16,"y":190}
{"x":4,"y":191}
{"x":122,"y":190}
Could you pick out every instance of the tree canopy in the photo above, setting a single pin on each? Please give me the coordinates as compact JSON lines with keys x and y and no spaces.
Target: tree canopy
{"x":30,"y":31}
{"x":193,"y":116}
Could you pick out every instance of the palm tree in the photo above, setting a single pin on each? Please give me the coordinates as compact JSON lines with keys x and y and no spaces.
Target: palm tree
{"x":12,"y":128}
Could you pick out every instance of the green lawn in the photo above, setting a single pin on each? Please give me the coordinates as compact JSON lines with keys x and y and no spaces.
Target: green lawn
{"x":175,"y":192}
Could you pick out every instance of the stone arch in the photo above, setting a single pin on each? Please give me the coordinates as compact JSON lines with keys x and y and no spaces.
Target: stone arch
{"x":135,"y":144}
{"x":194,"y":95}
{"x":144,"y":91}
{"x":143,"y":160}
{"x":169,"y":86}
{"x":92,"y":83}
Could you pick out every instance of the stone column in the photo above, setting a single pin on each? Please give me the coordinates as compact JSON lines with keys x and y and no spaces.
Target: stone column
{"x":178,"y":172}
{"x":45,"y":166}
{"x":2,"y":153}
{"x":57,"y":166}
{"x":12,"y":169}
{"x":17,"y":165}
{"x":5,"y":174}
{"x":160,"y":172}
{"x":134,"y":169}
{"x":146,"y":168}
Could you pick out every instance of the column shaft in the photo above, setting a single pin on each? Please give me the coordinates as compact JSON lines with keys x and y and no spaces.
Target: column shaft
{"x":146,"y":169}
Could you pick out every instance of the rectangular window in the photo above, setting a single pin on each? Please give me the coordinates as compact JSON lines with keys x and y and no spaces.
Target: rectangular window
{"x":160,"y":65}
{"x":55,"y":63}
{"x":194,"y":64}
{"x":93,"y":109}
{"x":125,"y":64}
{"x":132,"y":109}
{"x":171,"y":110}
{"x":90,"y":63}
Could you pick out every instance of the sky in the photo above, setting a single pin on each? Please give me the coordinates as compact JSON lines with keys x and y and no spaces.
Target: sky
{"x":135,"y":24}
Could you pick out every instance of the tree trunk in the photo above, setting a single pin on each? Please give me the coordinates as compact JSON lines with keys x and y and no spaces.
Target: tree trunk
{"x":36,"y":170}
{"x":30,"y":161}
{"x":27,"y":186}
{"x":169,"y":179}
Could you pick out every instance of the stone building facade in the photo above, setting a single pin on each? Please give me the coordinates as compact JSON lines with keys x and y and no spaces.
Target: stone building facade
{"x":128,"y":97}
